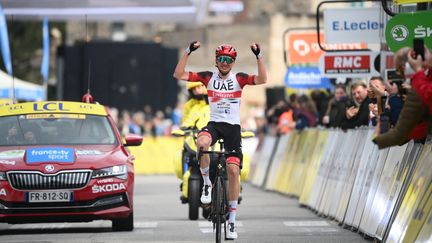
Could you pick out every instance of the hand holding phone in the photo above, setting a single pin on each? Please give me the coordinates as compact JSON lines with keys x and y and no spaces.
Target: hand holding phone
{"x":418,"y":45}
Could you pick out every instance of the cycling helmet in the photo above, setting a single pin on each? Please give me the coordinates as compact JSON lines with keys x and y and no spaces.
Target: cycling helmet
{"x":226,"y":50}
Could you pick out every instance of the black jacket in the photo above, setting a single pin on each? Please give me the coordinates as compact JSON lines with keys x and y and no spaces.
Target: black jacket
{"x":360,"y":119}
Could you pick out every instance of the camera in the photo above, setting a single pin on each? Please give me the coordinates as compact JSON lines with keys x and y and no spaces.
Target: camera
{"x":418,"y":45}
{"x":393,"y":77}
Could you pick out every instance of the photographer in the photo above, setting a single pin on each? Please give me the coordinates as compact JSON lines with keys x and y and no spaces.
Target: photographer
{"x":422,"y":79}
{"x":412,"y":123}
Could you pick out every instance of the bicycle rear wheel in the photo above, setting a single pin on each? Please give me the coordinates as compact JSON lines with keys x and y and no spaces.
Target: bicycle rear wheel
{"x":219,"y":204}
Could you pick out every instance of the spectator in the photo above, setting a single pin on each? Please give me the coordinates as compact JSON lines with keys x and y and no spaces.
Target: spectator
{"x":422,"y":79}
{"x":337,"y":107}
{"x":286,"y":120}
{"x":357,"y":116}
{"x":378,"y":96}
{"x":273,"y":114}
{"x":321,"y":100}
{"x":305,"y":114}
{"x":411,"y":123}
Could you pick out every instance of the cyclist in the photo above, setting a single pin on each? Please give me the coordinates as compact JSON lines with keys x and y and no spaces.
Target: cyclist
{"x":224,"y":90}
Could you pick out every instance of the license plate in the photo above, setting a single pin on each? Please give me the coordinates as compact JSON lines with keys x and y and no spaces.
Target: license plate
{"x":51,"y":196}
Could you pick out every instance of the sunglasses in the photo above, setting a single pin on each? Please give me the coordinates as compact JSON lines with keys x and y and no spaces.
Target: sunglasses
{"x":226,"y":59}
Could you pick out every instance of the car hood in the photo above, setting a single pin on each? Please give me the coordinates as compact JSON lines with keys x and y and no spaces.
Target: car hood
{"x":60,"y":157}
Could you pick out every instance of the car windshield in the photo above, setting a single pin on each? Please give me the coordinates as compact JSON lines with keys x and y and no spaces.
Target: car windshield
{"x":55,"y":129}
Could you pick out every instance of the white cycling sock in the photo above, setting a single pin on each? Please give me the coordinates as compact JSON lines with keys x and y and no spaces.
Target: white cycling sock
{"x":232,"y":211}
{"x":205,"y":172}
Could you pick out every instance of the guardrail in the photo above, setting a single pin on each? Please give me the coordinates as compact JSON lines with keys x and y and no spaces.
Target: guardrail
{"x":385,"y":194}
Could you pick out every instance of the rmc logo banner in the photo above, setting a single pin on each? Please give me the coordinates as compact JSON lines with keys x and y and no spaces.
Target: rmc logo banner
{"x":403,"y":28}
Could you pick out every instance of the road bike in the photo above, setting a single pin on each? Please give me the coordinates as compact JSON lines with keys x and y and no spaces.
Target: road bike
{"x":219,"y":206}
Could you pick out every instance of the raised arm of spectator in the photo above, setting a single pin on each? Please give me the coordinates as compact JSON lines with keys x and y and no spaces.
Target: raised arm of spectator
{"x":180,"y":73}
{"x":421,"y":83}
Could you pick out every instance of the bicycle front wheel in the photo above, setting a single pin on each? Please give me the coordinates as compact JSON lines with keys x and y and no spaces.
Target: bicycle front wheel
{"x":219,"y":204}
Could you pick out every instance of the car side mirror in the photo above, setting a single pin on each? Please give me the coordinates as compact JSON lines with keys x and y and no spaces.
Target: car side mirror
{"x":133,"y":140}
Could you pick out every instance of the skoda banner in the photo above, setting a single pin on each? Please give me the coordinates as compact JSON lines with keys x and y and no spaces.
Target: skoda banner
{"x":306,"y":78}
{"x":404,"y":27}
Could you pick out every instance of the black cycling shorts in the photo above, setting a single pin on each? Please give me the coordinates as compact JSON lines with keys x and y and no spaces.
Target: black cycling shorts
{"x":231,"y":135}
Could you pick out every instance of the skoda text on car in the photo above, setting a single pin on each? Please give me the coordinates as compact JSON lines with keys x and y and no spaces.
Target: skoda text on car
{"x":64,"y":162}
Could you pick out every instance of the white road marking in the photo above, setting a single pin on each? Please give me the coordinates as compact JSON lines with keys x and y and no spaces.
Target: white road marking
{"x":305,"y":223}
{"x":146,"y":225}
{"x":310,"y":226}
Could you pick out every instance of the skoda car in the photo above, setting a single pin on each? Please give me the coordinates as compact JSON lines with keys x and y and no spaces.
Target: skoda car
{"x":64,"y":162}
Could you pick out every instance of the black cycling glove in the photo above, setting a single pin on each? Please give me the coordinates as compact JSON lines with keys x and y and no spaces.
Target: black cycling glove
{"x":191,"y":47}
{"x":256,"y":51}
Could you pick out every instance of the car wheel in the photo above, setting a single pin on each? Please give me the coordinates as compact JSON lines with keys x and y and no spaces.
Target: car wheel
{"x":194,"y":198}
{"x":123,"y":224}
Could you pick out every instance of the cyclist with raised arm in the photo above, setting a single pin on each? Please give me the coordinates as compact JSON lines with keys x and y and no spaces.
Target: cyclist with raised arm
{"x":224,"y":93}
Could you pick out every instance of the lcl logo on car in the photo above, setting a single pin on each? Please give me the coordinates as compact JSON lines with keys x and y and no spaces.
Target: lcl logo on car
{"x":49,"y":168}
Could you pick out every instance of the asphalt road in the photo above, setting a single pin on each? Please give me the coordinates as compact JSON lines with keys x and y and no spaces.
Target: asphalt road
{"x":160,"y":217}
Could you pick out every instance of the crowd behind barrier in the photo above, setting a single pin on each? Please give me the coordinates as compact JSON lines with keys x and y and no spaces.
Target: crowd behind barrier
{"x":384,"y":194}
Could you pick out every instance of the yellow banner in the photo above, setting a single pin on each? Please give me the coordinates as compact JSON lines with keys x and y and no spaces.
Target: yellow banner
{"x":50,"y":107}
{"x":411,"y":1}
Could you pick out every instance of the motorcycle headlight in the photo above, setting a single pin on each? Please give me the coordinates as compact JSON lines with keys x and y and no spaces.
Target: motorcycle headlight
{"x":118,"y":171}
{"x":3,"y":176}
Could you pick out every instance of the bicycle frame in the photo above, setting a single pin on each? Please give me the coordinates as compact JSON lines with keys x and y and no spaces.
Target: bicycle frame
{"x":219,"y":205}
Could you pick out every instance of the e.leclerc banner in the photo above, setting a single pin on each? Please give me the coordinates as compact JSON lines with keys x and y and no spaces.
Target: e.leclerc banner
{"x":404,"y":27}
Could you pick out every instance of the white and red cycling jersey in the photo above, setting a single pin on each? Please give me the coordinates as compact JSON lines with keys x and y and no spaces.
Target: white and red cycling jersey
{"x":224,"y":94}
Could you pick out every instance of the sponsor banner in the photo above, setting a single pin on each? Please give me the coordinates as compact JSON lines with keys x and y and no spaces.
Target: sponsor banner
{"x":303,"y":47}
{"x":349,"y":64}
{"x":350,"y":164}
{"x":312,"y":171}
{"x":62,"y":155}
{"x":411,"y":210}
{"x":410,"y":1}
{"x":7,"y":162}
{"x":381,"y":204}
{"x":404,"y":27}
{"x":351,"y":25}
{"x":88,"y":152}
{"x":364,"y":155}
{"x":365,"y":219}
{"x":52,"y":107}
{"x":264,"y":162}
{"x":12,"y":153}
{"x":276,"y":164}
{"x":108,"y":188}
{"x":55,"y":116}
{"x":305,"y":78}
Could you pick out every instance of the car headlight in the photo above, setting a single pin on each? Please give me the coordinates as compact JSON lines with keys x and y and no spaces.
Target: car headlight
{"x":118,"y":171}
{"x":3,"y":176}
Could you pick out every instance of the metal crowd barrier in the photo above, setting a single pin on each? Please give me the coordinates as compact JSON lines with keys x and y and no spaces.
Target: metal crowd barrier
{"x":384,"y":194}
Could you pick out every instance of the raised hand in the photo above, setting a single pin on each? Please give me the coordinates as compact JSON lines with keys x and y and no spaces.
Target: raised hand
{"x":192,"y":47}
{"x":256,"y":50}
